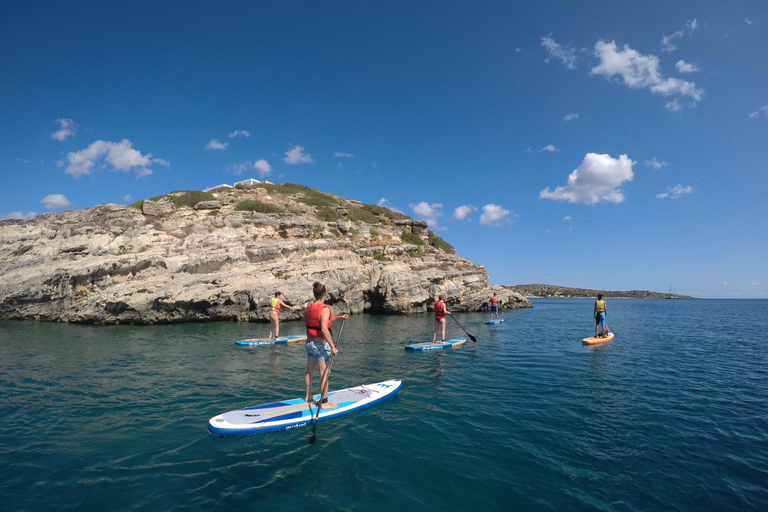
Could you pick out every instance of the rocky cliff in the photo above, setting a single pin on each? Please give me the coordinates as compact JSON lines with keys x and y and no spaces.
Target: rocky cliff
{"x":195,"y":256}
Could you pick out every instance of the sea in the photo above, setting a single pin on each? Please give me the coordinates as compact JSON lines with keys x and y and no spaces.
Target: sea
{"x":671,"y":415}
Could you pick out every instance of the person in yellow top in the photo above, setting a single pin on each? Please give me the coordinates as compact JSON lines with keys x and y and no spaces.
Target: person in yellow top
{"x":274,"y":319}
{"x":599,"y":314}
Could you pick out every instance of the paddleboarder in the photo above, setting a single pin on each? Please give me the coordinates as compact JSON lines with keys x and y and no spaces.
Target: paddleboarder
{"x":320,"y":346}
{"x":599,"y":314}
{"x":494,"y":308}
{"x":274,"y":320}
{"x":440,"y":312}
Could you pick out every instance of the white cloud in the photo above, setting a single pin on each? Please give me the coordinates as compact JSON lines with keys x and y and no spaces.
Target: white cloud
{"x":383,"y":202}
{"x":18,"y":216}
{"x":640,"y":71}
{"x":549,"y":148}
{"x":296,"y":155}
{"x":565,"y":54}
{"x":239,"y":133}
{"x":215,"y":144}
{"x":666,"y":41}
{"x":263,"y":167}
{"x":428,"y":212}
{"x":597,"y":179}
{"x":567,"y":217}
{"x":655,"y":163}
{"x":462,"y":212}
{"x":673,"y":106}
{"x":239,"y":168}
{"x":343,"y":155}
{"x":67,"y":128}
{"x":676,"y":192}
{"x":571,"y":116}
{"x":763,"y":109}
{"x":120,"y":155}
{"x":127,"y":198}
{"x":53,"y":201}
{"x":684,"y":67}
{"x":492,"y":214}
{"x":748,"y":21}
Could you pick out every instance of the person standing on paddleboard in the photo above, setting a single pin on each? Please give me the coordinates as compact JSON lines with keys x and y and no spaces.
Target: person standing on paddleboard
{"x":320,"y":346}
{"x":274,"y":320}
{"x":440,"y":312}
{"x":494,"y":307}
{"x":599,"y":314}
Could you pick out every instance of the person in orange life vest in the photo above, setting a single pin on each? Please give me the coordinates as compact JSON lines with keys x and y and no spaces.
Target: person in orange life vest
{"x":440,"y":312}
{"x":320,"y":346}
{"x":599,"y":314}
{"x":494,"y":307}
{"x":274,"y":321}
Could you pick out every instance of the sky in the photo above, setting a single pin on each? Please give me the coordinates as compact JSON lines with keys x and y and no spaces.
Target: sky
{"x":612,"y":145}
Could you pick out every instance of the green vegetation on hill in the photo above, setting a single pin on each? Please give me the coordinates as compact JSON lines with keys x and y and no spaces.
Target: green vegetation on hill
{"x":252,"y":205}
{"x":548,"y":290}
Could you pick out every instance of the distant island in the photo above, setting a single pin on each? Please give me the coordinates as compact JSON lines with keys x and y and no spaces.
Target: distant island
{"x":548,"y":290}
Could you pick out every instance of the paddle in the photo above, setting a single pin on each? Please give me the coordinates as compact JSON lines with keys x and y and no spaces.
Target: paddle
{"x":327,"y":375}
{"x":463,"y":329}
{"x":287,"y":302}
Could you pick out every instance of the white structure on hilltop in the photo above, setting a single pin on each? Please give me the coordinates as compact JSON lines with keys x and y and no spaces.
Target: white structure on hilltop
{"x":217,"y":186}
{"x":248,"y":182}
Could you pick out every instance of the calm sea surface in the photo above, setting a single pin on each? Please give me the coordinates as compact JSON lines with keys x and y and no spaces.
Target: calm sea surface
{"x":670,"y":415}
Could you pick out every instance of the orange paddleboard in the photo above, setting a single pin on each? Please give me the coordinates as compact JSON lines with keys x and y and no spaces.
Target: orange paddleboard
{"x":595,"y":341}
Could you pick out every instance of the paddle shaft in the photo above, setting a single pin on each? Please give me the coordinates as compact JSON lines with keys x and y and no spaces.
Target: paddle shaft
{"x":474,"y":340}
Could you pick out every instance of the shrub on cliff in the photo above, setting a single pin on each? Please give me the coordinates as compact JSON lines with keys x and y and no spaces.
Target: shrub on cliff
{"x":410,"y":238}
{"x":252,"y":205}
{"x":191,"y":198}
{"x":439,"y":243}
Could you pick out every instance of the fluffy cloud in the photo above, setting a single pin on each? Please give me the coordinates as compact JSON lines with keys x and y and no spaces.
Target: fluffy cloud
{"x":343,"y":155}
{"x":215,"y":144}
{"x":598,"y":178}
{"x":18,"y":216}
{"x":565,"y":54}
{"x":384,"y":203}
{"x":571,"y":116}
{"x":655,"y":163}
{"x":676,"y":192}
{"x":53,"y":201}
{"x":263,"y":167}
{"x":239,"y":133}
{"x":493,"y":214}
{"x":239,"y":168}
{"x":640,"y":71}
{"x":567,"y":217}
{"x":667,"y":41}
{"x":462,"y":212}
{"x":763,"y":109}
{"x":428,"y":212}
{"x":120,"y":155}
{"x":296,"y":155}
{"x":549,"y":148}
{"x":67,"y":128}
{"x":684,"y":67}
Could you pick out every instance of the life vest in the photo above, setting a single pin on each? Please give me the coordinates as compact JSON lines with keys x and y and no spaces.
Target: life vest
{"x":312,"y":319}
{"x":494,"y":301}
{"x":275,"y":302}
{"x":600,"y":306}
{"x":439,"y":310}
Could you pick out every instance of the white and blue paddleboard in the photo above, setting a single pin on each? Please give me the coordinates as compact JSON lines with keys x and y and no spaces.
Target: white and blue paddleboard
{"x":492,"y":322}
{"x":297,"y":413}
{"x":274,"y":341}
{"x":428,"y":345}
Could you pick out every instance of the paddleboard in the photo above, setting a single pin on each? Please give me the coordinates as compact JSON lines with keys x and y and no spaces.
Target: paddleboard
{"x":595,"y":341}
{"x":297,"y":413}
{"x":500,"y":320}
{"x":274,"y":341}
{"x":428,"y":345}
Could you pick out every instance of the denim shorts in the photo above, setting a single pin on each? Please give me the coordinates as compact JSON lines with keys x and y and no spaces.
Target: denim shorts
{"x":319,"y":351}
{"x":600,"y":318}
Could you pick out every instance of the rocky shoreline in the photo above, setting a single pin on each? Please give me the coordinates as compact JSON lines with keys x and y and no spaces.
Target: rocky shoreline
{"x":192,"y":256}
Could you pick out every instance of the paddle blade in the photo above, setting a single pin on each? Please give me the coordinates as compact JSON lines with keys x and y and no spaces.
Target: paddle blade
{"x":312,"y":434}
{"x":472,"y":338}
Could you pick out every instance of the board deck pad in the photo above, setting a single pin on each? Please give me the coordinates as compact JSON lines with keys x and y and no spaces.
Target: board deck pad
{"x":274,"y":341}
{"x":500,"y":320}
{"x":595,"y":341}
{"x":428,"y":345}
{"x":296,"y":412}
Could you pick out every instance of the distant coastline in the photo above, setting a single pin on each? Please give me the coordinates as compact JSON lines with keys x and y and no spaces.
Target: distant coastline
{"x":548,"y":290}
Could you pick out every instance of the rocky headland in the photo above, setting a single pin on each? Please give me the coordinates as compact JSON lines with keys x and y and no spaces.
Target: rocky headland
{"x":548,"y":290}
{"x":195,"y":256}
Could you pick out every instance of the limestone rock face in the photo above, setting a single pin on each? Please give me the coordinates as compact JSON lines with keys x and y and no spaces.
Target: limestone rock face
{"x":160,"y":263}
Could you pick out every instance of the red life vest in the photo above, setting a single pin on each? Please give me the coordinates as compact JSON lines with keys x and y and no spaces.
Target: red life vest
{"x":312,"y":319}
{"x":439,"y":310}
{"x":494,"y":301}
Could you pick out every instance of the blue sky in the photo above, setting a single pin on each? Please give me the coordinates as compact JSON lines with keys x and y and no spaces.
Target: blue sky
{"x":607,"y":144}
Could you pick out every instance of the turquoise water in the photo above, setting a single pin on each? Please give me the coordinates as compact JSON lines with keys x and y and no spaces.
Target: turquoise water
{"x":670,"y":415}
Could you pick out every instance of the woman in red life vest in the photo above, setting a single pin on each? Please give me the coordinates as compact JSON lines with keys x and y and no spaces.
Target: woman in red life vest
{"x":440,"y":312}
{"x":320,"y":346}
{"x":494,"y":307}
{"x":274,"y":320}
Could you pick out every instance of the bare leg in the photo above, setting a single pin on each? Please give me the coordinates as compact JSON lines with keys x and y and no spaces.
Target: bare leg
{"x":324,"y":369}
{"x":272,"y":326}
{"x":311,"y":367}
{"x":434,"y":331}
{"x":442,"y":328}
